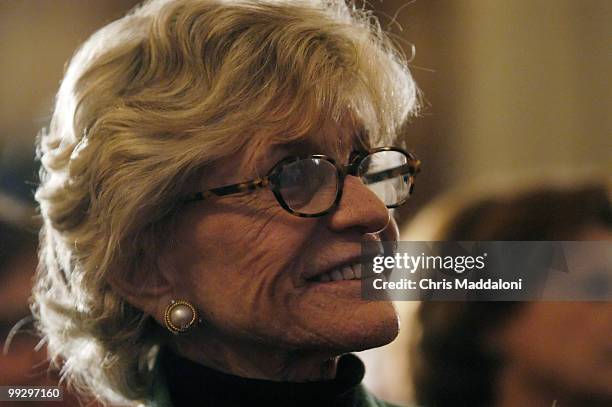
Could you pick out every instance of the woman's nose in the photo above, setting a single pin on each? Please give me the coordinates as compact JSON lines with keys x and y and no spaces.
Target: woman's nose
{"x":359,"y":209}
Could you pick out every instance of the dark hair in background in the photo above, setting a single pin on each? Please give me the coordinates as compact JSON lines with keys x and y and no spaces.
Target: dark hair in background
{"x":453,"y":366}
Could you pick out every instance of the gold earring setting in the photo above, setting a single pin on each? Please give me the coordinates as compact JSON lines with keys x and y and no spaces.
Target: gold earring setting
{"x":180,"y":316}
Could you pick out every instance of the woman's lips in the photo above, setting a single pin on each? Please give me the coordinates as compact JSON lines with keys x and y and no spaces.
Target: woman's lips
{"x":348,"y":267}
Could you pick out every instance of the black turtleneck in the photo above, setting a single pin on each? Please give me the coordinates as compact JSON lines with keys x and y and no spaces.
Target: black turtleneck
{"x":192,"y":384}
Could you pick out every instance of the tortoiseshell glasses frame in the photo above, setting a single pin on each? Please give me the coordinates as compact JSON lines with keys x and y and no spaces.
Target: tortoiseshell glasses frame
{"x":407,"y":170}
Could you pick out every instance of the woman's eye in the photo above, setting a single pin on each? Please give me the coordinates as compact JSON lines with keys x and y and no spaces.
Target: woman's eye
{"x":293,"y":177}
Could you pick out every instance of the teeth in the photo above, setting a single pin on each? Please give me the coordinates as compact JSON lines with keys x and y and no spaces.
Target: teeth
{"x":336,"y":275}
{"x":347,"y":273}
{"x":357,"y":270}
{"x":352,"y":272}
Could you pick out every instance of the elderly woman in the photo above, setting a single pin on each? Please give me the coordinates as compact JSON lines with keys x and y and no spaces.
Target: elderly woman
{"x":210,"y":170}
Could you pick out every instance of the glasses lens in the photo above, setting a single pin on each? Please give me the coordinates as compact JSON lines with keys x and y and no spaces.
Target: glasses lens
{"x":309,"y":186}
{"x":388,"y":175}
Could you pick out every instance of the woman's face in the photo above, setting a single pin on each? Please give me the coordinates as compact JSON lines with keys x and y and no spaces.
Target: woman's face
{"x":566,"y":346}
{"x":248,"y":265}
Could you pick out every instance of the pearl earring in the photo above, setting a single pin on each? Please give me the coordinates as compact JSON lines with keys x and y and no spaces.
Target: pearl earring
{"x":180,"y":316}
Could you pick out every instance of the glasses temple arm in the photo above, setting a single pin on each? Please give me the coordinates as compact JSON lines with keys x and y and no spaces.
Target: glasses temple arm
{"x":412,"y":168}
{"x":231,"y":189}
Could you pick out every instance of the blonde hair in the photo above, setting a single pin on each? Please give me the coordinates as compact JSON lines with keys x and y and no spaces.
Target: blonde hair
{"x":150,"y":100}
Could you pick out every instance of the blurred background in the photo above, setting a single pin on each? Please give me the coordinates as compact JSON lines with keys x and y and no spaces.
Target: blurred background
{"x":511,"y":90}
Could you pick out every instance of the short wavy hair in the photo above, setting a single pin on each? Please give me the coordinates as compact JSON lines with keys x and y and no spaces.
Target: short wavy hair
{"x":148,"y":102}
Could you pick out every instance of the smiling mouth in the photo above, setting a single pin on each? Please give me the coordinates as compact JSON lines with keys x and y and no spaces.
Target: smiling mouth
{"x":348,"y":272}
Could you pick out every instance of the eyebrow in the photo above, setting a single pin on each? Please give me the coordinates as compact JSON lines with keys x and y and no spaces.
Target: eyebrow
{"x":301,"y":147}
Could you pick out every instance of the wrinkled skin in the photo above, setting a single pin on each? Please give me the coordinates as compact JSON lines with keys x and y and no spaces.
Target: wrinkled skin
{"x":241,"y":260}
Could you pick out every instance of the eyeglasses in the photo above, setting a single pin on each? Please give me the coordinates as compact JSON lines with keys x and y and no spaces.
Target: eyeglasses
{"x":311,"y":186}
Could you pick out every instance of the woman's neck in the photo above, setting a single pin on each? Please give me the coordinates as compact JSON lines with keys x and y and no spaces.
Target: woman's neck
{"x":257,"y":361}
{"x":515,"y":388}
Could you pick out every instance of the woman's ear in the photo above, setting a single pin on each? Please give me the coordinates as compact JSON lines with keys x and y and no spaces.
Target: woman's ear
{"x":147,"y":287}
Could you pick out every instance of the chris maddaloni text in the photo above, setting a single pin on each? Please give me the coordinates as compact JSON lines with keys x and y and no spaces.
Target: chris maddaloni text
{"x":457,"y":284}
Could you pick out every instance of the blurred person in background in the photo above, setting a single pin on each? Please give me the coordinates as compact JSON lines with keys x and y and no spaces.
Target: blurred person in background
{"x":508,"y":354}
{"x":209,"y":174}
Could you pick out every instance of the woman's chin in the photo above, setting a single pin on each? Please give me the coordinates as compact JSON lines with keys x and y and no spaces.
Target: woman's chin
{"x":378,"y":327}
{"x":364,"y":325}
